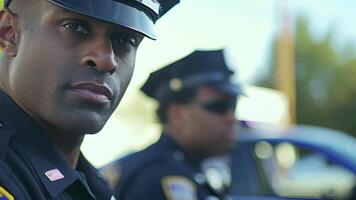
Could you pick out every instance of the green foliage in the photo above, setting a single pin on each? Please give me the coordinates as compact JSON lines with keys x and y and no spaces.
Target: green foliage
{"x":325,"y":80}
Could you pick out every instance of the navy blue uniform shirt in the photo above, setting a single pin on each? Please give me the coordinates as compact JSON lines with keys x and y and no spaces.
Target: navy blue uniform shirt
{"x":162,"y":171}
{"x":32,"y":168}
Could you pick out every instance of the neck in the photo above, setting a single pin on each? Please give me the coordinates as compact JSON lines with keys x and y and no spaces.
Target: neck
{"x":186,"y":146}
{"x":69,"y":146}
{"x":67,"y":143}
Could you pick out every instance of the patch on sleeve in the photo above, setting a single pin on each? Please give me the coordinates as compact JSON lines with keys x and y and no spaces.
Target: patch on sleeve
{"x":5,"y":195}
{"x":179,"y":188}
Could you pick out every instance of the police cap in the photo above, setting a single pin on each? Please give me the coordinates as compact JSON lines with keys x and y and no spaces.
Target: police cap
{"x":198,"y":68}
{"x":137,"y":15}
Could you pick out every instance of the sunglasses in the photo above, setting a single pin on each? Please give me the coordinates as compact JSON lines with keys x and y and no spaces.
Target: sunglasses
{"x":219,"y":106}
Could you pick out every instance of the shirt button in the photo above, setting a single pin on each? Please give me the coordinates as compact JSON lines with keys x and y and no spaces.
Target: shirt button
{"x":200,"y":178}
{"x":178,"y":155}
{"x":1,"y":124}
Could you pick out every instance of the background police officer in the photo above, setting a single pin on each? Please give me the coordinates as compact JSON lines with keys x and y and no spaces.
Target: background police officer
{"x":197,"y":101}
{"x":65,"y":66}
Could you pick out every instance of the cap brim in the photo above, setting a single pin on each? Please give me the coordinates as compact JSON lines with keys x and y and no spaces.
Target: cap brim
{"x":113,"y":12}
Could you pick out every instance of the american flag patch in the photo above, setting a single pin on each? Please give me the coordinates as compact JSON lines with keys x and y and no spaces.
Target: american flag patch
{"x":54,"y":175}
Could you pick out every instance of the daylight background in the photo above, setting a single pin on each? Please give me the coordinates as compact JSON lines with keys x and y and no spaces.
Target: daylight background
{"x":324,"y":37}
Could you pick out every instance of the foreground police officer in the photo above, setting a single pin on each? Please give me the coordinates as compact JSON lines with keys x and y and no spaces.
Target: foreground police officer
{"x":197,"y":109}
{"x":65,"y":66}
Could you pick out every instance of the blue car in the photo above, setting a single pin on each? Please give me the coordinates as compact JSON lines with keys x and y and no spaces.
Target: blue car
{"x":303,"y":162}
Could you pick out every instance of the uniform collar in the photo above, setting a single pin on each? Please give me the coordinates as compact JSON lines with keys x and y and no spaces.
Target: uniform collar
{"x":95,"y":181}
{"x":39,"y":152}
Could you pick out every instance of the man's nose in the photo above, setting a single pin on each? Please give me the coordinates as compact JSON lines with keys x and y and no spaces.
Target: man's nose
{"x":101,"y":56}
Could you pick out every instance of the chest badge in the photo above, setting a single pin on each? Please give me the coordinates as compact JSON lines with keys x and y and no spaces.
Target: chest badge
{"x":54,"y":175}
{"x":5,"y":195}
{"x":179,"y":188}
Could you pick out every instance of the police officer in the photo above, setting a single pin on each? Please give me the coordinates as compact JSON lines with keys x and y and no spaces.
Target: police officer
{"x":197,"y":101}
{"x":353,"y":194}
{"x":65,"y":66}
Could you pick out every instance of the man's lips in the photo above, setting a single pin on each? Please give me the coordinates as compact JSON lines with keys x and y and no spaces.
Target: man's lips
{"x":93,"y":91}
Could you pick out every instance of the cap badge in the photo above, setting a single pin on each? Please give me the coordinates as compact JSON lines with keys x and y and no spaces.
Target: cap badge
{"x":175,"y":84}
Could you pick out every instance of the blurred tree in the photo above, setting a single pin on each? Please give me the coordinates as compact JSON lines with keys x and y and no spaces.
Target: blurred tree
{"x":325,"y":80}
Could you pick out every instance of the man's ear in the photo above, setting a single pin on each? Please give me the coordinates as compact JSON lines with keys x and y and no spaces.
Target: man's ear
{"x":9,"y":32}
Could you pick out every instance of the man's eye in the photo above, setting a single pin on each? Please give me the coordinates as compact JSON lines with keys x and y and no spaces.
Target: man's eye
{"x":126,"y":42}
{"x":76,"y":27}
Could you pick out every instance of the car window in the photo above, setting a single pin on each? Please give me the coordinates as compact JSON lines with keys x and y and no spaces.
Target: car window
{"x":298,"y":172}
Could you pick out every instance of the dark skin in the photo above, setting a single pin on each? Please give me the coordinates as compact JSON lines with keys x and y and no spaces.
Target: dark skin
{"x":67,"y":71}
{"x":201,"y":132}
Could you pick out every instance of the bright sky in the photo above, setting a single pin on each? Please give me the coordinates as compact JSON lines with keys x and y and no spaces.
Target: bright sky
{"x":245,"y":28}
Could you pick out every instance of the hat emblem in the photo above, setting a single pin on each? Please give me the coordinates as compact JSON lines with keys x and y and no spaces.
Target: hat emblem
{"x":175,"y":84}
